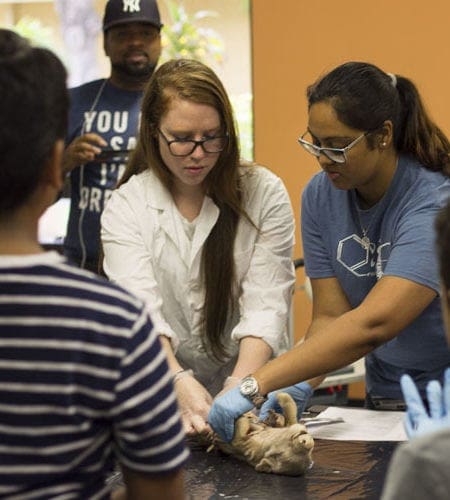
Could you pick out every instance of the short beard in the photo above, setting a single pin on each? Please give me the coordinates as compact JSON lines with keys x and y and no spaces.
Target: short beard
{"x":134,"y":73}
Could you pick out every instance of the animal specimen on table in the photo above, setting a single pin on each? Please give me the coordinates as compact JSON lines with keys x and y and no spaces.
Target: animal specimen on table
{"x":279,"y":445}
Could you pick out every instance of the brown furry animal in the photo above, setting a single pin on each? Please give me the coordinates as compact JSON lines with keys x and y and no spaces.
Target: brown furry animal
{"x":279,"y":446}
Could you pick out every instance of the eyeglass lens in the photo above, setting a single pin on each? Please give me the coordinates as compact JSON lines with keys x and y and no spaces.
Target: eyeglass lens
{"x":186,"y":147}
{"x":338,"y":156}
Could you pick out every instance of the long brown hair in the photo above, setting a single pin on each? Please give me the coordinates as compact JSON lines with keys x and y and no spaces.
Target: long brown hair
{"x":364,"y":97}
{"x":196,"y":82}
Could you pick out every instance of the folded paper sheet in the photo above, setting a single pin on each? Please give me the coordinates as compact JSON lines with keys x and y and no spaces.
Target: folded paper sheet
{"x":360,"y":425}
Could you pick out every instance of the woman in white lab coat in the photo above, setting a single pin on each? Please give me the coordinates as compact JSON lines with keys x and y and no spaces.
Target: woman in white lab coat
{"x":202,"y":237}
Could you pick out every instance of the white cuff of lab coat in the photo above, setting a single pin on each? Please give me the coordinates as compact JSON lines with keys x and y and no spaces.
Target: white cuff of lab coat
{"x":265,"y":325}
{"x":161,"y":327}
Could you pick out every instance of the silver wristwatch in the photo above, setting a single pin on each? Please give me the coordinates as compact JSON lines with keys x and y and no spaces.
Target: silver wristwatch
{"x":249,"y":388}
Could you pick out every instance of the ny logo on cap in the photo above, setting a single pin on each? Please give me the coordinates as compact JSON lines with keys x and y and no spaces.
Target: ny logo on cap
{"x":131,"y":5}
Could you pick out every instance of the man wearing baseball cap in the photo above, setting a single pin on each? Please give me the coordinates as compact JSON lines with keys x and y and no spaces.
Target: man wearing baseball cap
{"x":104,"y":119}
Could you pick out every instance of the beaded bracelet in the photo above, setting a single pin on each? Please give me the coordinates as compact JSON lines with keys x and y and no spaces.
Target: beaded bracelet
{"x":182,"y":373}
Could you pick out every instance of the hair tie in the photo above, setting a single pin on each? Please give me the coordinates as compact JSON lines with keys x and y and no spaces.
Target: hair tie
{"x":393,"y":79}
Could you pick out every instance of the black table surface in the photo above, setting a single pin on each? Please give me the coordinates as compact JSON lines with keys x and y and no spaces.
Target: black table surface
{"x":341,"y":469}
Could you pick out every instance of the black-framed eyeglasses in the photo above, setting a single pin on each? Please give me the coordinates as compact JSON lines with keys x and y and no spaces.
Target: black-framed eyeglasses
{"x":185,"y":147}
{"x":338,"y":155}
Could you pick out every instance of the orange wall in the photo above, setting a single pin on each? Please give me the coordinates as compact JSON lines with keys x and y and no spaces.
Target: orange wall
{"x":294,"y":41}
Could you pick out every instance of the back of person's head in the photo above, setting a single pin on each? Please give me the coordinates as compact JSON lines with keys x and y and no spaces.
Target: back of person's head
{"x":196,"y":82}
{"x":364,"y":97}
{"x":33,"y":115}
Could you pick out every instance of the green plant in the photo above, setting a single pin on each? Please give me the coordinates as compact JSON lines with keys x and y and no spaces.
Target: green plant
{"x":243,"y":112}
{"x":184,"y":37}
{"x":35,"y":31}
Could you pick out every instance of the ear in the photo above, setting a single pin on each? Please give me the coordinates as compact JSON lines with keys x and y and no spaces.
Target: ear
{"x":105,"y":44}
{"x":160,"y":45}
{"x":386,"y":135}
{"x":52,"y":175}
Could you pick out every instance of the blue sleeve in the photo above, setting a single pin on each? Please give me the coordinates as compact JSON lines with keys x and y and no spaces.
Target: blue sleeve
{"x":413,"y":253}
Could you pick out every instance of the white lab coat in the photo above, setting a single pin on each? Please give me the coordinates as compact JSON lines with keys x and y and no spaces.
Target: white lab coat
{"x":146,"y":250}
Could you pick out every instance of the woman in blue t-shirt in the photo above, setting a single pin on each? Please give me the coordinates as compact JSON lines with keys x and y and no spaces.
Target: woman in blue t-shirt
{"x":367,"y":228}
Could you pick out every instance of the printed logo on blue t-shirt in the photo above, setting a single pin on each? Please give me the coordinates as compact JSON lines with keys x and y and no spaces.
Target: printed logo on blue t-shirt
{"x":362,"y":257}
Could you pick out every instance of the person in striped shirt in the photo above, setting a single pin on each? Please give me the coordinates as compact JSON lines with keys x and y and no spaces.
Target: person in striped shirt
{"x":84,"y":382}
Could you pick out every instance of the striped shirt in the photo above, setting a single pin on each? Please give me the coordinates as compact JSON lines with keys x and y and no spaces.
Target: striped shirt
{"x":83,"y":382}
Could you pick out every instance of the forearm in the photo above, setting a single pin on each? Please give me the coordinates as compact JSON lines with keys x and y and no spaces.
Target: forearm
{"x":316,"y":325}
{"x":254,"y":352}
{"x":193,"y":399}
{"x":174,"y":365}
{"x":336,"y":345}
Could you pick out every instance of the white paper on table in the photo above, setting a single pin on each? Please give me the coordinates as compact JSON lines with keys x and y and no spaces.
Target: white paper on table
{"x":361,"y":425}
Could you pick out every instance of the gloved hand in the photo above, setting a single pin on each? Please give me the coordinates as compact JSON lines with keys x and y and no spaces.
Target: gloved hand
{"x":194,"y":402}
{"x":417,"y":420}
{"x":225,"y":410}
{"x":300,"y":393}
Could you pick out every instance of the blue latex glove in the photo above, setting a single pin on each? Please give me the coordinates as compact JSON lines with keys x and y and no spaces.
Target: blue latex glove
{"x":417,"y":420}
{"x":225,"y":410}
{"x":300,"y":393}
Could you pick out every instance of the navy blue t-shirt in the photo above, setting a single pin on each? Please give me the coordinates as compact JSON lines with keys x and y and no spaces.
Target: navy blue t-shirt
{"x":97,"y":107}
{"x":84,"y":383}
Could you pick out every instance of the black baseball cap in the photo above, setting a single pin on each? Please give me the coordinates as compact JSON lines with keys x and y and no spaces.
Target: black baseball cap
{"x":131,"y":11}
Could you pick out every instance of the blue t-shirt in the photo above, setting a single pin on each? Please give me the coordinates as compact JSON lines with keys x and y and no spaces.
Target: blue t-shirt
{"x":113,"y":113}
{"x":400,"y":232}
